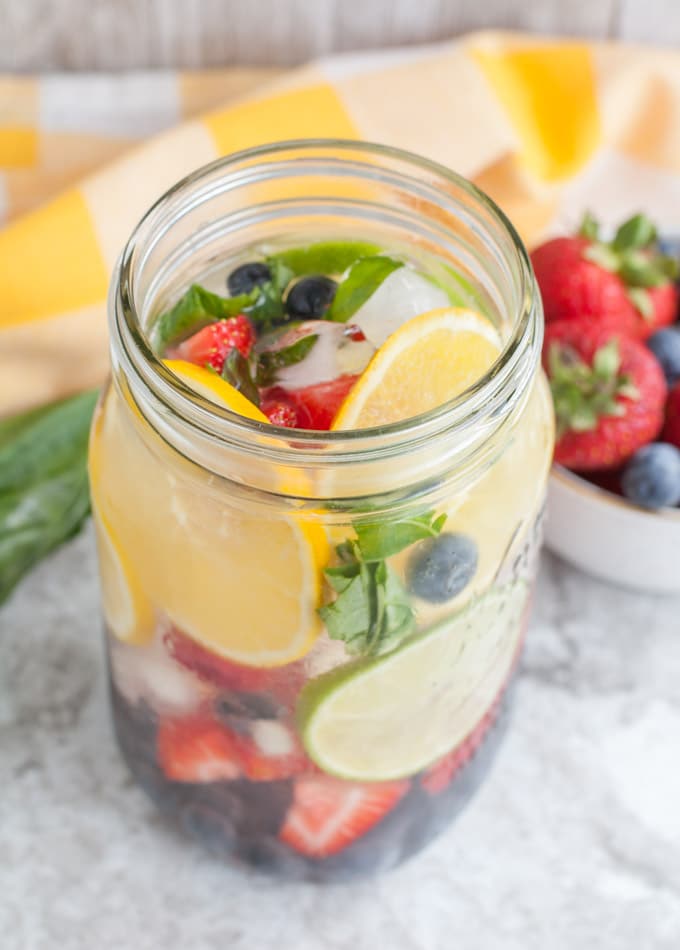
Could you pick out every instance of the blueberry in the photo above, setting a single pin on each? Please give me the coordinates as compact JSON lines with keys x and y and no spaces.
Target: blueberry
{"x":310,"y":297}
{"x":244,"y":278}
{"x":230,"y":706}
{"x":665,"y":345}
{"x":652,"y":477}
{"x":441,"y":567}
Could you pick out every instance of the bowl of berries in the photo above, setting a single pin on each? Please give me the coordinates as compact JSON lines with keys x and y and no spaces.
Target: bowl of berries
{"x":612,"y":356}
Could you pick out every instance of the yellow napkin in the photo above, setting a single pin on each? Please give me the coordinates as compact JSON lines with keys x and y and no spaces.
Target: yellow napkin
{"x":547,"y":128}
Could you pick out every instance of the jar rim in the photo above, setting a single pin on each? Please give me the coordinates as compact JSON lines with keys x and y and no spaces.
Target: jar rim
{"x":486,"y":395}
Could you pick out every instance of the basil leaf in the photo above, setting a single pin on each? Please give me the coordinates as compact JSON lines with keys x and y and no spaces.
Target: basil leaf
{"x":372,"y":611}
{"x":268,"y":308}
{"x":325,"y":257}
{"x":44,"y":441}
{"x":194,"y":310}
{"x":270,"y":362}
{"x":363,"y":279}
{"x":382,"y":539}
{"x":38,"y":518}
{"x":236,"y":371}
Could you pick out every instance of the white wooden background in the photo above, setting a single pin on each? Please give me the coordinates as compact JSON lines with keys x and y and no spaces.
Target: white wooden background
{"x":121,"y":34}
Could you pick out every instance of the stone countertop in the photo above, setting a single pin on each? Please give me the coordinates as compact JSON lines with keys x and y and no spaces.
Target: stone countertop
{"x":574,"y":842}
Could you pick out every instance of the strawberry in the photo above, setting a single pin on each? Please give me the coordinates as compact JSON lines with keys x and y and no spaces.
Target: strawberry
{"x":282,"y":682}
{"x":211,"y":345}
{"x":608,"y":391}
{"x":197,"y":749}
{"x":626,"y":283}
{"x":671,"y":429}
{"x":271,"y":751}
{"x":439,"y":775}
{"x":327,"y":815}
{"x":315,"y":406}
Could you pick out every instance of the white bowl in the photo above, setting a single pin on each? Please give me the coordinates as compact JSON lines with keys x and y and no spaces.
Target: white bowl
{"x":611,"y":538}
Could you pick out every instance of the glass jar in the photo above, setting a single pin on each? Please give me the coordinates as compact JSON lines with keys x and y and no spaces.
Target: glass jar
{"x":276,"y":744}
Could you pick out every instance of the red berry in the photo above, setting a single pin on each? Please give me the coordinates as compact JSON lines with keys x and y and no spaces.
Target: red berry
{"x":574,"y":288}
{"x":327,"y":815}
{"x":211,"y":345}
{"x":278,"y":408}
{"x":270,"y":752}
{"x":318,"y":405}
{"x":197,"y":749}
{"x":671,"y":429}
{"x":625,"y":283}
{"x":281,"y":682}
{"x":355,"y":333}
{"x":604,"y":414}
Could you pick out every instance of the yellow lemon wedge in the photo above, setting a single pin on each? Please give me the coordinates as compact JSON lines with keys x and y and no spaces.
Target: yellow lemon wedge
{"x":128,"y":613}
{"x":243,"y":581}
{"x":425,"y":363}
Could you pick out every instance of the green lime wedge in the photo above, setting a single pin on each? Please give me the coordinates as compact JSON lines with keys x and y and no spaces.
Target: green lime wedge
{"x":391,"y":716}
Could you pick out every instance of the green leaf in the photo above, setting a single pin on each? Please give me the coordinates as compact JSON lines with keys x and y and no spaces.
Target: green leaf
{"x":325,"y":257}
{"x":268,"y":308}
{"x":44,"y":441}
{"x":270,"y":362}
{"x":236,"y":371}
{"x":38,"y":518}
{"x":382,"y":539}
{"x":590,"y":227}
{"x":642,"y":302}
{"x":194,"y":310}
{"x":372,"y":611}
{"x":363,"y":279}
{"x":636,"y":232}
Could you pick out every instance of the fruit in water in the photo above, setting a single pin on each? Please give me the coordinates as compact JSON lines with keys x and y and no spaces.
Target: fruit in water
{"x":211,"y":345}
{"x":310,"y":297}
{"x":388,"y":717}
{"x":425,"y":363}
{"x":197,"y":749}
{"x":441,"y":567}
{"x":403,"y":295}
{"x":327,"y":815}
{"x":246,"y":277}
{"x":665,"y":345}
{"x":608,"y":391}
{"x":652,"y":476}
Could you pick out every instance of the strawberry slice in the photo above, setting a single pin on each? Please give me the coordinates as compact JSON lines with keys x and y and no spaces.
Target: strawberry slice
{"x":327,"y":815}
{"x":311,"y":407}
{"x":211,"y":345}
{"x":271,"y":752}
{"x":197,"y":749}
{"x":282,"y":682}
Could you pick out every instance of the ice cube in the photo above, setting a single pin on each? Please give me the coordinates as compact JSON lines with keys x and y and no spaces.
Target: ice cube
{"x":401,"y":296}
{"x":149,"y":673}
{"x":334,"y":354}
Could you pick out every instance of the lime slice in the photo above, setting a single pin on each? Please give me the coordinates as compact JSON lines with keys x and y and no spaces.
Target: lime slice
{"x":388,"y":717}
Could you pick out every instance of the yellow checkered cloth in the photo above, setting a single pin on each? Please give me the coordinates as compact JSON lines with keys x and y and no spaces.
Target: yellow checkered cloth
{"x":547,"y":128}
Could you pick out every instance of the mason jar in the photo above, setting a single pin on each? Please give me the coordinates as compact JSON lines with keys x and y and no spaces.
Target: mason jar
{"x":242,"y":704}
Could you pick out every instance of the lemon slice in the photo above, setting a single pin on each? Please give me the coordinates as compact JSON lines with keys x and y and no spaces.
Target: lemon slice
{"x":243,"y":581}
{"x":426,"y":362}
{"x":214,"y":388}
{"x":385,"y":718}
{"x":128,"y":613}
